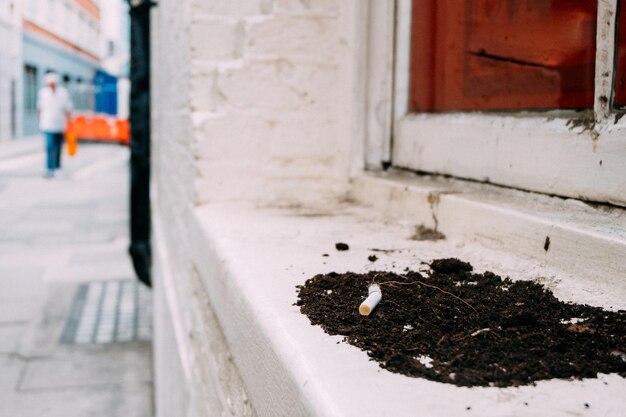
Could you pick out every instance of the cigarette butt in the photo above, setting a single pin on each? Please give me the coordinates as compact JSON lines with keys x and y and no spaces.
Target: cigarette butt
{"x":372,"y":300}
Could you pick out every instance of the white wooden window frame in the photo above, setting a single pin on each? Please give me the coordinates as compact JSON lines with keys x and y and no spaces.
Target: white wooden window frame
{"x":546,"y":152}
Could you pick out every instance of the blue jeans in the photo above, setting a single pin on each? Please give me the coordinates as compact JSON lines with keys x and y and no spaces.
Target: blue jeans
{"x":54,"y":142}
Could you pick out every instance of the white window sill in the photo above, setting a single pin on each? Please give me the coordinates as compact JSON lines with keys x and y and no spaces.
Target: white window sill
{"x":586,"y":242}
{"x":250,"y":260}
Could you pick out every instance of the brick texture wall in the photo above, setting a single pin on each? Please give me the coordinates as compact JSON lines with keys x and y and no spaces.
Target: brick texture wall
{"x":254,"y":100}
{"x":265,"y":90}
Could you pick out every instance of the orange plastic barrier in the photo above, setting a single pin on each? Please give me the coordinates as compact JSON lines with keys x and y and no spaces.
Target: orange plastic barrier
{"x":101,"y":129}
{"x":98,"y":128}
{"x":122,"y":130}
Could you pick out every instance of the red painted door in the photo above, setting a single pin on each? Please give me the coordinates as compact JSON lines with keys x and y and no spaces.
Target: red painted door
{"x":502,"y":54}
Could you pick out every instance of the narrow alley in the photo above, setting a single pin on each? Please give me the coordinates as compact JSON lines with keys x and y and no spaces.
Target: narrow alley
{"x":74,"y":323}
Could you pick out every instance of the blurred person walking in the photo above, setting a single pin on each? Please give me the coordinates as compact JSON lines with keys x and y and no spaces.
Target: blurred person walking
{"x":54,"y":107}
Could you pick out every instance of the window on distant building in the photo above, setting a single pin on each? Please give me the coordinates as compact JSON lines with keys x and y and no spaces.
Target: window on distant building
{"x":51,"y":11}
{"x":30,"y":87}
{"x":72,"y":27}
{"x":66,"y":15}
{"x":32,"y":8}
{"x":93,"y":39}
{"x":82,"y":36}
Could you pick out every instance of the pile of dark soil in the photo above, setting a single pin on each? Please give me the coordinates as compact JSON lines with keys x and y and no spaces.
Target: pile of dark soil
{"x":467,"y":329}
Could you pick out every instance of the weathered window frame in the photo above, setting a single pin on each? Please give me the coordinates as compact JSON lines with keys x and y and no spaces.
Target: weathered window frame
{"x":564,"y":153}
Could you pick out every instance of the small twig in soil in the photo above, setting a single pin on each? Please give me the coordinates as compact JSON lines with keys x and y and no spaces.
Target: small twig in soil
{"x":430,"y":286}
{"x":429,"y":323}
{"x":477,"y":332}
{"x":376,"y":275}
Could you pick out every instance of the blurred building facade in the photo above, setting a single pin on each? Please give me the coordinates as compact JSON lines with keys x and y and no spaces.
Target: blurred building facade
{"x":61,"y":36}
{"x":115,"y":38}
{"x":10,"y":69}
{"x":84,"y":41}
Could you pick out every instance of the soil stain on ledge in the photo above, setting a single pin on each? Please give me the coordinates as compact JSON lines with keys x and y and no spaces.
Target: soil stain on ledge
{"x":468,"y":329}
{"x":425,"y":233}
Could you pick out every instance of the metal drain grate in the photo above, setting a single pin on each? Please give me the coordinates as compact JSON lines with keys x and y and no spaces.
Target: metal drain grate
{"x":109,"y":312}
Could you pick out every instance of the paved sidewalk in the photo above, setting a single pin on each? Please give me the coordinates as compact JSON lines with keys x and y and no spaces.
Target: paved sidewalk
{"x":74,"y":325}
{"x":18,"y":147}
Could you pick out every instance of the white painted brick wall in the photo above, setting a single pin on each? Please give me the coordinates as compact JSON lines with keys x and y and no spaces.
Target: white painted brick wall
{"x":236,"y":8}
{"x":252,"y":100}
{"x":216,"y":38}
{"x":173,"y":179}
{"x":306,"y":37}
{"x":266,"y":92}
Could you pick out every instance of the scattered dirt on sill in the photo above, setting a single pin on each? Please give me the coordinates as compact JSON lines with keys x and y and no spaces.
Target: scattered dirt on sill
{"x":423,"y":233}
{"x":386,"y":250}
{"x":468,"y":329}
{"x":586,"y":121}
{"x":340,"y":246}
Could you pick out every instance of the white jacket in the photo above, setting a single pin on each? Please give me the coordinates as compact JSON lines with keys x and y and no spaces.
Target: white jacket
{"x":52,"y":106}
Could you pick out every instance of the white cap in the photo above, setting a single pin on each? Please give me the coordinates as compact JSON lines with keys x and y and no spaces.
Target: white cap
{"x":51,"y":78}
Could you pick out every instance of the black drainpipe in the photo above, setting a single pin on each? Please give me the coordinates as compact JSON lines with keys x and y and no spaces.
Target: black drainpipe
{"x":140,"y":250}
